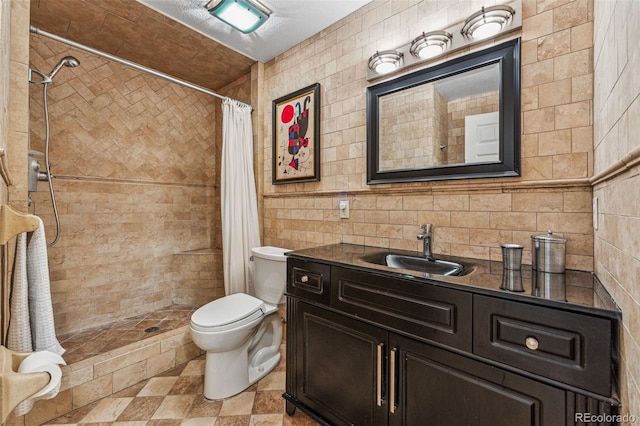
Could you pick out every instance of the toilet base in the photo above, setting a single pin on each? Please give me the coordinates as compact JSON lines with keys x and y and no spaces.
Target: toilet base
{"x":229,"y":373}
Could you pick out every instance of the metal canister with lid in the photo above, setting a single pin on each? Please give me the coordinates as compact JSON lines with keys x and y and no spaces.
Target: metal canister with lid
{"x":548,"y":264}
{"x":548,"y":253}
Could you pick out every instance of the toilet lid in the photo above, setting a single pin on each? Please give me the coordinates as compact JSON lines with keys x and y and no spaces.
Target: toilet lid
{"x":227,"y":310}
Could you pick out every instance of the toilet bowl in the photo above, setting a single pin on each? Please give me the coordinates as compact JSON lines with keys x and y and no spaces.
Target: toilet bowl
{"x":241,"y":333}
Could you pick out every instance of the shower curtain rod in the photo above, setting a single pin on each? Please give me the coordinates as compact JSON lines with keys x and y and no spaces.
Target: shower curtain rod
{"x":142,"y":68}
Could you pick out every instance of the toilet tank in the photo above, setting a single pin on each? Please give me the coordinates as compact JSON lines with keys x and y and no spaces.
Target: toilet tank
{"x":270,"y":273}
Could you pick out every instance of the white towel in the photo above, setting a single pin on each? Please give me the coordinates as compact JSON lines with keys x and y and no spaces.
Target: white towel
{"x":43,"y":331}
{"x":19,"y":335}
{"x":31,"y":325}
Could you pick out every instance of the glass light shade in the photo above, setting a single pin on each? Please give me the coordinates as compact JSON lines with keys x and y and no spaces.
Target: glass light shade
{"x":487,"y":22}
{"x":430,"y":44}
{"x":385,"y":62}
{"x":244,"y":15}
{"x":486,"y":30}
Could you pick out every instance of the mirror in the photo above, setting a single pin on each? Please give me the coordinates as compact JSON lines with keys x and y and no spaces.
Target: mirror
{"x":456,"y":120}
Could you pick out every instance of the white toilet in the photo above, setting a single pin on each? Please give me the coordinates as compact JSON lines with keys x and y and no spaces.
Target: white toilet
{"x":241,"y":333}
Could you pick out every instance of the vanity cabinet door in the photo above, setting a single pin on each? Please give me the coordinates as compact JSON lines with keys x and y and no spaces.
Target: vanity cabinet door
{"x":434,"y":387}
{"x":339,"y":367}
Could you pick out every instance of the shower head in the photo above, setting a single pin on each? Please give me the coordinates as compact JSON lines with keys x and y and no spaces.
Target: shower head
{"x":67,"y":61}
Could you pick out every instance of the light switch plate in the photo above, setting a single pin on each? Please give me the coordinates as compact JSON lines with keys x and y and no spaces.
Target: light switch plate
{"x":344,"y":209}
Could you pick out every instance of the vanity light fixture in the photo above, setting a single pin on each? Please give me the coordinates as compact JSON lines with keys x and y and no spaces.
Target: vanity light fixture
{"x":430,"y":44}
{"x":385,"y":62}
{"x":243,"y":15}
{"x":487,"y":22}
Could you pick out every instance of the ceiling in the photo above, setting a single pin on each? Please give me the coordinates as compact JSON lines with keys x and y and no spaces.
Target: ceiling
{"x":291,"y":22}
{"x":202,"y":50}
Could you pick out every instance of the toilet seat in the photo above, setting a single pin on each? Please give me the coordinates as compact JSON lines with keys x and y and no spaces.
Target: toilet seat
{"x":228,"y":312}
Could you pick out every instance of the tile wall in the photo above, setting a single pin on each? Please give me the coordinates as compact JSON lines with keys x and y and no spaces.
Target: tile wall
{"x":14,"y":122}
{"x":471,"y":217}
{"x":135,"y":163}
{"x":617,"y":176}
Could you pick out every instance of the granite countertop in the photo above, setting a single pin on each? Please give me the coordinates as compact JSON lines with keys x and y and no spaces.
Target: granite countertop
{"x":573,"y":290}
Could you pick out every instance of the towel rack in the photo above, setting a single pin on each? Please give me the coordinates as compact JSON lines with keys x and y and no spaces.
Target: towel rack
{"x":16,"y":387}
{"x":13,"y":223}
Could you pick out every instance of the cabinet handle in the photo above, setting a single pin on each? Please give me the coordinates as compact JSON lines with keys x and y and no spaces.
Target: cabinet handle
{"x":392,"y":381}
{"x":379,"y":377}
{"x":304,"y":278}
{"x":531,"y":343}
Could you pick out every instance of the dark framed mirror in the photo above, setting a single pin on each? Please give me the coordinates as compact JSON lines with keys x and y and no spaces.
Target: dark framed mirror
{"x":455,"y":120}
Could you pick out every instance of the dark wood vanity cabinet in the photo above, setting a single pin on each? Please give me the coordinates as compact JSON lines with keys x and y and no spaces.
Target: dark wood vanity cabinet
{"x":373,"y":349}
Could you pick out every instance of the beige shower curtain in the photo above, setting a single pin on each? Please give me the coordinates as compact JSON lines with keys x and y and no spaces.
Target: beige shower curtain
{"x":240,"y":229}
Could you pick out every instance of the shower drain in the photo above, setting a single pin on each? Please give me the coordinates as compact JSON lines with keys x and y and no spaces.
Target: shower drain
{"x":151,"y":329}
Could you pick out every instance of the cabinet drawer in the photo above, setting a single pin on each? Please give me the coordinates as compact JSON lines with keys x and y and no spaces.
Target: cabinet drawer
{"x":420,"y":309}
{"x":309,"y":280}
{"x":568,"y":347}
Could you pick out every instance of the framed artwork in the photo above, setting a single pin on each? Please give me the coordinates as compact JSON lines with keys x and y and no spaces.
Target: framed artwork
{"x":296,"y":136}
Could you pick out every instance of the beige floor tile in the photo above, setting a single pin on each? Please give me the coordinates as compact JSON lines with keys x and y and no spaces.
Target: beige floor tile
{"x":199,"y":421}
{"x":194,"y":368}
{"x":174,"y":407}
{"x":158,"y":386}
{"x":233,"y":420}
{"x":107,"y":410}
{"x":238,"y":405}
{"x":266,"y":420}
{"x":137,"y":423}
{"x":272,"y":381}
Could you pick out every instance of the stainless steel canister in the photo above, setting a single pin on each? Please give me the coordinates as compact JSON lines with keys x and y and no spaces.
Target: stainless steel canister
{"x":548,"y":253}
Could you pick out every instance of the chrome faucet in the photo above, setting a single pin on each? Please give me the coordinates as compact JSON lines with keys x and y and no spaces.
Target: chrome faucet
{"x":425,"y":237}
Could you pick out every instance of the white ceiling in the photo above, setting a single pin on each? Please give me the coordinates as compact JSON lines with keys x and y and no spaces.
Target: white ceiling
{"x":291,"y":22}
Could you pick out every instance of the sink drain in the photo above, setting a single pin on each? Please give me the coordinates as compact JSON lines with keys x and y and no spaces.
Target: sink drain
{"x":151,"y":329}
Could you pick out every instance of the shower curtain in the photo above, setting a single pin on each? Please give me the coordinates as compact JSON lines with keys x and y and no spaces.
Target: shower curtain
{"x":240,"y":230}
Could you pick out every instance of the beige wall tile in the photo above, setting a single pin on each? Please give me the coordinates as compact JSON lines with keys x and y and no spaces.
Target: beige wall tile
{"x":92,"y":391}
{"x":548,"y":202}
{"x":150,"y":153}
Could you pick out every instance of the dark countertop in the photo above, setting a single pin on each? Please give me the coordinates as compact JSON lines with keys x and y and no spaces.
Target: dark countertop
{"x":582,"y":291}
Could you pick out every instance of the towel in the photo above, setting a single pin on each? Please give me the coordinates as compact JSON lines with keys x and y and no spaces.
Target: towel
{"x":43,"y":333}
{"x":31,"y":325}
{"x":19,"y":334}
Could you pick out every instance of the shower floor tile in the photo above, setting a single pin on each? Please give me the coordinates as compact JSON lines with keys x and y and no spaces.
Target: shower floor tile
{"x":91,"y":342}
{"x":175,"y":398}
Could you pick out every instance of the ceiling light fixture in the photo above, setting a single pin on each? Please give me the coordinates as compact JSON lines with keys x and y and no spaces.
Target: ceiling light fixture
{"x":487,"y":22}
{"x":243,"y":15}
{"x":385,"y":62}
{"x":430,"y":44}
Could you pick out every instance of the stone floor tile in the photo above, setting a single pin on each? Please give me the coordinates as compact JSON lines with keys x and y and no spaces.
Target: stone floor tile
{"x":238,"y":405}
{"x":141,"y":408}
{"x":233,"y":420}
{"x":188,"y":385}
{"x":266,"y":420}
{"x":273,"y":381}
{"x":107,"y":410}
{"x":158,"y":386}
{"x":268,"y":402}
{"x":174,"y":407}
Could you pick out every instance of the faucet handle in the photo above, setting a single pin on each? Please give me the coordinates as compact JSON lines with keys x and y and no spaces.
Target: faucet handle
{"x":427,"y":228}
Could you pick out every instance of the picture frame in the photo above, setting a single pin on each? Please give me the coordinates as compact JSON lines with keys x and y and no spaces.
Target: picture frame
{"x":296,"y":136}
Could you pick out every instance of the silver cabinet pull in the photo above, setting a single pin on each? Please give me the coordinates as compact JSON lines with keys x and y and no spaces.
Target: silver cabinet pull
{"x":531,"y":343}
{"x":379,"y":375}
{"x":392,"y":381}
{"x":304,"y":279}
